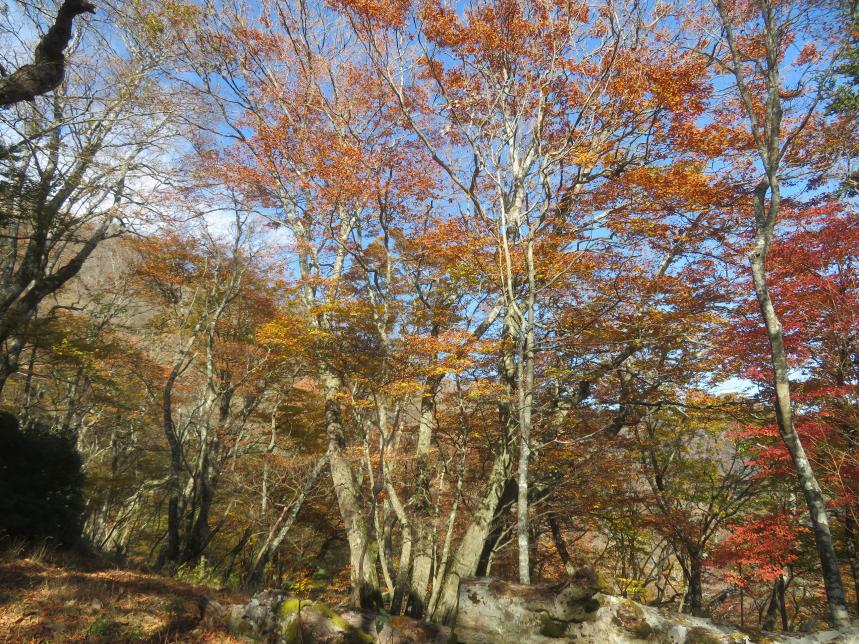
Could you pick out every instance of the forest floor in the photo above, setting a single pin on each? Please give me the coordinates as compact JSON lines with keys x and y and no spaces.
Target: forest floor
{"x":50,"y":602}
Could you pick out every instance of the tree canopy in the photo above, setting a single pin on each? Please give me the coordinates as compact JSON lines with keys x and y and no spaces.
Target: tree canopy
{"x":363,"y":298}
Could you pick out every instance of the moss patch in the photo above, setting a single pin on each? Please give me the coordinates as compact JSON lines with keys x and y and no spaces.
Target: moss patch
{"x":701,"y":636}
{"x":630,"y":607}
{"x":642,"y":630}
{"x":102,"y":627}
{"x":631,"y":617}
{"x":290,"y":607}
{"x":551,"y":627}
{"x":295,"y":631}
{"x":335,"y":619}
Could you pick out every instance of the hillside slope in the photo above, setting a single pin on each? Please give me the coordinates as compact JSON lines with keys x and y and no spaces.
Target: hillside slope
{"x":45,"y":602}
{"x":49,"y":602}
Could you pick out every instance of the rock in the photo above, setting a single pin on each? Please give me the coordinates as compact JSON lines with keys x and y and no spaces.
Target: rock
{"x":397,"y":629}
{"x":214,"y":613}
{"x":258,"y":618}
{"x":262,"y":613}
{"x":615,"y":621}
{"x":405,"y":630}
{"x":272,"y":616}
{"x":302,"y":621}
{"x":494,"y":611}
{"x":630,"y":617}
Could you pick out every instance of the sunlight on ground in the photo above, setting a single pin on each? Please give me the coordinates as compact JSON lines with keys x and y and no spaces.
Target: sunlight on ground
{"x":41,"y":602}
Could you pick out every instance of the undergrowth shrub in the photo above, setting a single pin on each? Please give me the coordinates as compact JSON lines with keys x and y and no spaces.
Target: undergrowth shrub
{"x":41,"y":481}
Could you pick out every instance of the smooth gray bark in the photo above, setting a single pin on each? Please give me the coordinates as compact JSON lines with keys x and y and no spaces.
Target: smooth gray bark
{"x":467,"y":555}
{"x":771,"y":146}
{"x":363,"y":549}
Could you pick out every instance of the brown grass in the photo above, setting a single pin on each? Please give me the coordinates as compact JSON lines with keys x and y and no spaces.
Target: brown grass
{"x":46,"y":602}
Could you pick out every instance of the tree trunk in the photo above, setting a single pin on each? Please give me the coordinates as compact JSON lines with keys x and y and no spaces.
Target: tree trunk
{"x":522,"y":524}
{"x":851,"y":536}
{"x":363,"y":552}
{"x":230,"y":559}
{"x":48,"y":68}
{"x":9,"y":360}
{"x":525,"y":387}
{"x":784,"y":417}
{"x":770,"y":616}
{"x":422,"y":557}
{"x":467,"y":555}
{"x":404,"y":571}
{"x":503,"y":512}
{"x":197,"y":537}
{"x":782,"y":606}
{"x":275,"y":539}
{"x":766,"y":130}
{"x":776,"y":606}
{"x":560,"y":544}
{"x":693,"y":603}
{"x":170,"y":552}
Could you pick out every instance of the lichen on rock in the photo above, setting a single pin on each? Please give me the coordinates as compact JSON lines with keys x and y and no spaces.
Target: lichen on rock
{"x":493,"y":611}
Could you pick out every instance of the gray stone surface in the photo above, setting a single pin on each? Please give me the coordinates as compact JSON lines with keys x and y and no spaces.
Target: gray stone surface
{"x":493,"y":611}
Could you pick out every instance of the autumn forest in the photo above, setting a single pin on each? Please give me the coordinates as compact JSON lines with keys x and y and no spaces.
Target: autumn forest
{"x":358,"y":300}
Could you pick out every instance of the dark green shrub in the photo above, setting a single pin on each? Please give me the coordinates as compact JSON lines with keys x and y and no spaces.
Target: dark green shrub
{"x":41,"y":484}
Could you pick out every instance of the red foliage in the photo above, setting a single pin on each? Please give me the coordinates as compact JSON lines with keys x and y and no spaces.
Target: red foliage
{"x":763,"y":546}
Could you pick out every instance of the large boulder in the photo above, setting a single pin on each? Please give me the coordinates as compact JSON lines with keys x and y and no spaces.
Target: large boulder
{"x":492,"y":611}
{"x":397,"y":629}
{"x":259,"y":617}
{"x":275,"y":617}
{"x":302,"y":621}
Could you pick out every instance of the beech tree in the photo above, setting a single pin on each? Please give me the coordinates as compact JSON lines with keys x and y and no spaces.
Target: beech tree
{"x":756,"y":40}
{"x":47,"y":70}
{"x":75,"y":166}
{"x":424,"y":291}
{"x":536,"y":115}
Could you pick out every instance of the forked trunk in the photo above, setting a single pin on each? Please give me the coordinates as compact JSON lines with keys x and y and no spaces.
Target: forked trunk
{"x":776,"y":606}
{"x":422,"y":557}
{"x":693,"y":602}
{"x":363,"y":549}
{"x":467,"y":556}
